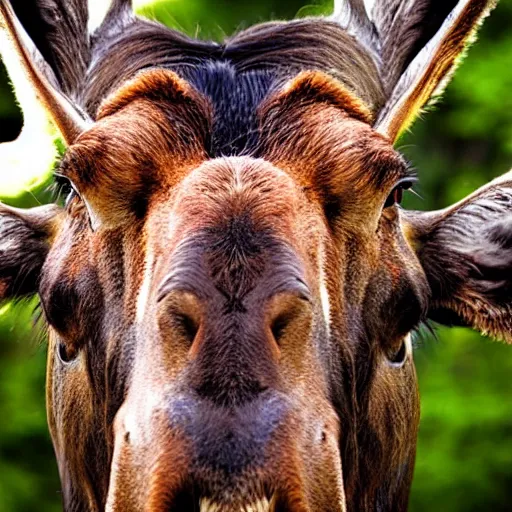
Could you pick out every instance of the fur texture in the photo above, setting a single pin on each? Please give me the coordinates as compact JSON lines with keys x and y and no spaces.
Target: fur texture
{"x":231,"y":287}
{"x":466,"y":253}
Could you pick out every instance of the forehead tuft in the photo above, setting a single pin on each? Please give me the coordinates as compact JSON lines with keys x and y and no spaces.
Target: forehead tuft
{"x":158,"y":86}
{"x":321,"y":133}
{"x":315,"y":87}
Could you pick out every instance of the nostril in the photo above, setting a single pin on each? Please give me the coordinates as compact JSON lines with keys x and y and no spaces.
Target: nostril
{"x":187,"y":325}
{"x":180,"y":314}
{"x":285,"y":309}
{"x":279,"y":326}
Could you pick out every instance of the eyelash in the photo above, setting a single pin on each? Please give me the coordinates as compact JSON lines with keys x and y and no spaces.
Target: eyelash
{"x":69,"y":197}
{"x":65,"y":190}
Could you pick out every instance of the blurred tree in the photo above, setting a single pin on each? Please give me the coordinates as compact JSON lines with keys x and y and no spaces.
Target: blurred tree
{"x":465,"y":445}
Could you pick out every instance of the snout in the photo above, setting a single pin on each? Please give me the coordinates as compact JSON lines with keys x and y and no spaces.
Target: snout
{"x":228,"y":404}
{"x":192,"y":455}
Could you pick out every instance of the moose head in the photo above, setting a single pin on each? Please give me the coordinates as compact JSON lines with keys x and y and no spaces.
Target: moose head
{"x":231,"y":285}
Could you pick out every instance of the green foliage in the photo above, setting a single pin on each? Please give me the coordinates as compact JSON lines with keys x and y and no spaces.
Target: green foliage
{"x":28,"y":472}
{"x":464,"y":458}
{"x":198,"y":18}
{"x":466,"y":138}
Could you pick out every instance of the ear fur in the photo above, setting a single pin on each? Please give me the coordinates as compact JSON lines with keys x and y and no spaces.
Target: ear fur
{"x":432,"y":68}
{"x":25,"y":237}
{"x":416,"y":45}
{"x":30,"y":71}
{"x":466,"y":252}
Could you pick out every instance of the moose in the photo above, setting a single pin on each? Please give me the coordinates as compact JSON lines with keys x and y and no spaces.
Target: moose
{"x":231,"y":285}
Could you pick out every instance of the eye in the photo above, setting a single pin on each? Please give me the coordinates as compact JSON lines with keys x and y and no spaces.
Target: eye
{"x":279,"y":326}
{"x":397,"y":193}
{"x":66,"y":354}
{"x":398,"y":358}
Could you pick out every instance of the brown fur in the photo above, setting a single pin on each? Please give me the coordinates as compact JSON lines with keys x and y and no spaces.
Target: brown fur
{"x":230,"y":290}
{"x":143,"y":109}
{"x":313,"y":127}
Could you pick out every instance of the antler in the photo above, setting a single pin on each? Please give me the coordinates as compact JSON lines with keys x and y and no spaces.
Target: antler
{"x":25,"y":63}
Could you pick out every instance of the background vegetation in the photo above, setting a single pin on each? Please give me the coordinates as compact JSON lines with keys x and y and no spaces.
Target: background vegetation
{"x":465,"y":446}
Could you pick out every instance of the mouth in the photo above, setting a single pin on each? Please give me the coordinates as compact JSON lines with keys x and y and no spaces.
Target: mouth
{"x":250,"y":492}
{"x":260,"y":505}
{"x":191,"y":500}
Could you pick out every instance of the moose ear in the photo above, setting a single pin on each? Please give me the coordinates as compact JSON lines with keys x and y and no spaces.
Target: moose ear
{"x":416,"y":45}
{"x":25,"y":237}
{"x":32,"y":75}
{"x":430,"y":69}
{"x":466,"y":252}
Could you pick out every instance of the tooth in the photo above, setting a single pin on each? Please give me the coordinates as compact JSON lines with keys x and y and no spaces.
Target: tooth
{"x":259,"y":506}
{"x":262,"y":505}
{"x":205,"y":505}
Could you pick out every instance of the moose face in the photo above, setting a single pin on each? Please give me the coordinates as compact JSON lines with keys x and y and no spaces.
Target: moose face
{"x":216,"y":361}
{"x":230,"y":330}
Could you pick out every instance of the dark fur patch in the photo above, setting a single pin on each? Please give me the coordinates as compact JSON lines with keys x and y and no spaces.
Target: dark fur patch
{"x":25,"y":237}
{"x":465,"y":252}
